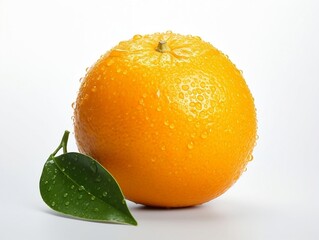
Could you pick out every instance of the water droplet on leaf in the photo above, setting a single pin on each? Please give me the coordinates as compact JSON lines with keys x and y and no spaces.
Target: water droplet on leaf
{"x":98,"y":178}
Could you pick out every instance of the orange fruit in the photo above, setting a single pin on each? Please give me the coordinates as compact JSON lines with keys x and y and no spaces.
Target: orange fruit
{"x":169,"y":116}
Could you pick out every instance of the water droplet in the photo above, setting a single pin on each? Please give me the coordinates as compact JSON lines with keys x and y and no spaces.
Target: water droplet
{"x":72,"y":187}
{"x":158,"y":93}
{"x":166,"y":123}
{"x":198,"y":106}
{"x":137,"y":36}
{"x":185,"y":87}
{"x":104,"y":194}
{"x":181,"y":95}
{"x":54,"y":176}
{"x":81,"y":188}
{"x":53,"y":204}
{"x":92,"y":198}
{"x":93,"y":89}
{"x":63,"y":169}
{"x":141,"y":101}
{"x":93,"y":166}
{"x":49,"y":189}
{"x":172,"y":126}
{"x":46,"y":182}
{"x":67,"y":203}
{"x":200,"y":97}
{"x":53,"y":182}
{"x":159,"y":108}
{"x":65,"y":194}
{"x":250,"y":158}
{"x":118,"y":70}
{"x":87,"y":69}
{"x":98,"y":178}
{"x":202,"y":84}
{"x":190,"y":145}
{"x":110,"y":62}
{"x":73,"y":105}
{"x":80,"y":196}
{"x":204,"y":135}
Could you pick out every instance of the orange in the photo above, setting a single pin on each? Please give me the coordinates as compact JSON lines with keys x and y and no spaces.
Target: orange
{"x":169,"y":116}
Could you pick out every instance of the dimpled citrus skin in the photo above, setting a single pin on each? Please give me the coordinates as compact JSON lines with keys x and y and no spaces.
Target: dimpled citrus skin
{"x":176,"y":127}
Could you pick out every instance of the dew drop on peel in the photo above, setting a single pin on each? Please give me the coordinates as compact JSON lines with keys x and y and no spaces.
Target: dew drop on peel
{"x":137,"y":36}
{"x":93,"y":89}
{"x":190,"y":145}
{"x":204,"y":135}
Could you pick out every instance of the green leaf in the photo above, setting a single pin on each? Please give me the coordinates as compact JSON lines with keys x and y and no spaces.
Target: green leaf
{"x":77,"y":185}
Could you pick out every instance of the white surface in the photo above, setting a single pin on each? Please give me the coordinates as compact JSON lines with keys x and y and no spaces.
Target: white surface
{"x":45,"y":47}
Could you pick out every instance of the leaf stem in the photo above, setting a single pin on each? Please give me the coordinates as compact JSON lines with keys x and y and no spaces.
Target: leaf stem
{"x":63,"y":143}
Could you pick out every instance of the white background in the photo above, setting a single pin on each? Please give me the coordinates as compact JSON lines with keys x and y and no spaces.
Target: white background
{"x":45,"y":47}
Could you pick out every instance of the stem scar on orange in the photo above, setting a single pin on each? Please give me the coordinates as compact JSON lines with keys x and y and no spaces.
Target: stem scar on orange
{"x":169,"y":116}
